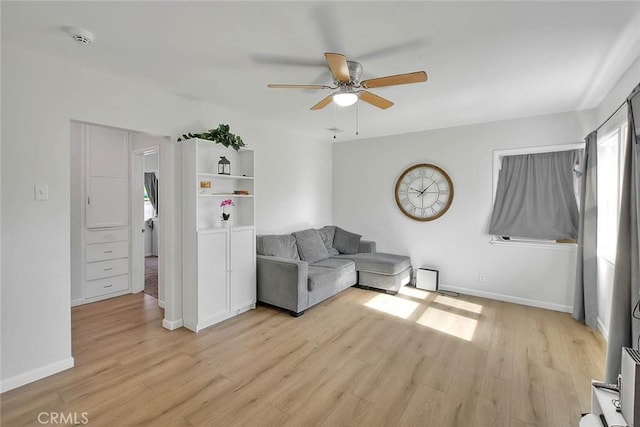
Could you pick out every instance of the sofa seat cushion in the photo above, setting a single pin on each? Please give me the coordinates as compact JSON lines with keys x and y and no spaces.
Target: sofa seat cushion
{"x":283,"y":246}
{"x":342,"y":265}
{"x":378,"y":262}
{"x":321,"y":276}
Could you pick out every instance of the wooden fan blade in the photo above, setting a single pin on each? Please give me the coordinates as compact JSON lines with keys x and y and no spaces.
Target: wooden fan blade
{"x":338,"y":65}
{"x":280,"y":86}
{"x":398,"y":79}
{"x":323,"y":103}
{"x":375,"y":100}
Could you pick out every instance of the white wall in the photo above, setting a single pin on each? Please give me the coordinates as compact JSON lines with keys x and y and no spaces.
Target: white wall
{"x":40,"y":95}
{"x":457,"y":244}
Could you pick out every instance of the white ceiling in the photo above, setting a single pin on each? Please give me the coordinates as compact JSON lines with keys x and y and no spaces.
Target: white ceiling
{"x":485,"y":60}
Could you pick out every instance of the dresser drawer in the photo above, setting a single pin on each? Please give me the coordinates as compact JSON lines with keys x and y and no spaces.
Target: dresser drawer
{"x":106,"y":251}
{"x":106,"y":235}
{"x":95,"y":288}
{"x":100,"y":269}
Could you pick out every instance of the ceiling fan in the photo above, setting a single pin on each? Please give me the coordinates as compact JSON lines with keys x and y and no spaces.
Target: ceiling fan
{"x":346,"y":79}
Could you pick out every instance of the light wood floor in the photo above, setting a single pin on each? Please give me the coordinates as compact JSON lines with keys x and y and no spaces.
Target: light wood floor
{"x":362,"y":358}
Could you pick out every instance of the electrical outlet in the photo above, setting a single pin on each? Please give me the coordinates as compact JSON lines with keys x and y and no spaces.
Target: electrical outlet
{"x":482,"y":278}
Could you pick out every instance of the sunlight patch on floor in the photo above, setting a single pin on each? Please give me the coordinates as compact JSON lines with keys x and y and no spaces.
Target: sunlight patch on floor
{"x":391,"y":305}
{"x":459,"y":304}
{"x":413,"y":292}
{"x":449,"y":323}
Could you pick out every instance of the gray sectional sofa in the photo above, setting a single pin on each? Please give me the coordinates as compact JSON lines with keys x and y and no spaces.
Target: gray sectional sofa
{"x":301,"y":269}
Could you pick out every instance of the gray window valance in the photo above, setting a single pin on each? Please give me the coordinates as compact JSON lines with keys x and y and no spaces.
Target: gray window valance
{"x":535,"y":196}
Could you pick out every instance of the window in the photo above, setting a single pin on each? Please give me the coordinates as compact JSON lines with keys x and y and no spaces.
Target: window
{"x":562,"y":190}
{"x":610,"y":157}
{"x":149,"y":212}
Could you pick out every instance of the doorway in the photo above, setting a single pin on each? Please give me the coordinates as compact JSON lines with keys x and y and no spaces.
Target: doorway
{"x":146,"y":220}
{"x":152,"y":223}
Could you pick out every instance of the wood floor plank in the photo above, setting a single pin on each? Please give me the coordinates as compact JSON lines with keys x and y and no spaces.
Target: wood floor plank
{"x":350,"y":411}
{"x":562,"y":408}
{"x":528,"y":393}
{"x":494,"y":403}
{"x":361,"y":358}
{"x":423,"y":405}
{"x":501,"y":351}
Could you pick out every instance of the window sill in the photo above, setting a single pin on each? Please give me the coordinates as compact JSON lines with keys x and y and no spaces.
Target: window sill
{"x":536,"y":245}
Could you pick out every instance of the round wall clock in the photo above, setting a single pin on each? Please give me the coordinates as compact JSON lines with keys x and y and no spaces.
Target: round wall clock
{"x":424,"y":192}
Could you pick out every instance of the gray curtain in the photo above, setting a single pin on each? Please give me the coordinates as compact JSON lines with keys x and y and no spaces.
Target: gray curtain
{"x":535,"y":196}
{"x":151,"y":185}
{"x":624,"y":329}
{"x":585,"y":302}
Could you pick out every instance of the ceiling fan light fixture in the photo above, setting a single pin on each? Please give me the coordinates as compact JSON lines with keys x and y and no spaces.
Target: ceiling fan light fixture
{"x":345,"y":99}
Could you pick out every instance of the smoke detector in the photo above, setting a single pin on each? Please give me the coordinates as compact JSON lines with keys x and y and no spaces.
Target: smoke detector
{"x":81,"y":36}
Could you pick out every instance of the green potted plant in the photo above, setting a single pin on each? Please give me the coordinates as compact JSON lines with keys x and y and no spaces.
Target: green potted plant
{"x":220,"y":135}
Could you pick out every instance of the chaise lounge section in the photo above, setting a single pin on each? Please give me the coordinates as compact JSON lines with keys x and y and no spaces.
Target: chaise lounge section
{"x":299,"y":270}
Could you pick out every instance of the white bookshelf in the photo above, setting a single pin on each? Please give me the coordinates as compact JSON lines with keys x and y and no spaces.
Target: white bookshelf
{"x":219,"y":267}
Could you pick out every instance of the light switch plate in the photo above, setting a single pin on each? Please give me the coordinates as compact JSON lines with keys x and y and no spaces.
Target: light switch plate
{"x":41,"y":192}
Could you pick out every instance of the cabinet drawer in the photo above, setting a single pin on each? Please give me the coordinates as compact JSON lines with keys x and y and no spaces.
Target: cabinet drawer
{"x":106,"y":251}
{"x":107,"y":235}
{"x":98,"y":270}
{"x":94,"y":288}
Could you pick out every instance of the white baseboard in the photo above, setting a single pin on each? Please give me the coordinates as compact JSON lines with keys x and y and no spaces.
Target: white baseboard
{"x":509,"y":298}
{"x":603,"y":330}
{"x":79,"y":301}
{"x":35,"y":374}
{"x":172,"y":324}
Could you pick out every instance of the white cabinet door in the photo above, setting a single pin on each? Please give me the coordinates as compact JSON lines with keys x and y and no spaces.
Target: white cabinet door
{"x":107,"y":202}
{"x":107,"y":177}
{"x":108,"y":152}
{"x":213,"y":278}
{"x":243,"y":269}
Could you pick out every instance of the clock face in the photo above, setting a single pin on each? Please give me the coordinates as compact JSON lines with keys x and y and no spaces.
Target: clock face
{"x":424,"y":192}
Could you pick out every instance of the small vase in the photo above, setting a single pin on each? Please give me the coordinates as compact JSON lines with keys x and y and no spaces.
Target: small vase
{"x":226,"y":223}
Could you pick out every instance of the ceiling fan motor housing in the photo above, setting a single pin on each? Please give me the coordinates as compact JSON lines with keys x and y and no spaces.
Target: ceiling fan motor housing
{"x":355,"y":73}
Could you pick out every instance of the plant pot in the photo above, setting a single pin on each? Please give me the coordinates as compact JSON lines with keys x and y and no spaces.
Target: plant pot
{"x":226,"y":223}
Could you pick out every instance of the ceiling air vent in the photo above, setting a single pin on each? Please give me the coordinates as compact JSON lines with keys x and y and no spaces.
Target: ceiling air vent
{"x":81,"y":36}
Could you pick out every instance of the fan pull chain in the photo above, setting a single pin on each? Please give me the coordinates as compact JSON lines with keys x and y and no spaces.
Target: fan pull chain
{"x":335,"y":120}
{"x":357,"y":117}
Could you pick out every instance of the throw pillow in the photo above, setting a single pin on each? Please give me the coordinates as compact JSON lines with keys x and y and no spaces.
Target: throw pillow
{"x":310,"y":245}
{"x":283,"y":246}
{"x":346,"y":242}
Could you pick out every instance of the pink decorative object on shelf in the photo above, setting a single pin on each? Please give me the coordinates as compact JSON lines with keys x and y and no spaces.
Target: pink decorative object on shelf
{"x":223,"y":205}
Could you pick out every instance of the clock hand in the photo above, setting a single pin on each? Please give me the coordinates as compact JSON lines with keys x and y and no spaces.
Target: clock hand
{"x":423,"y":191}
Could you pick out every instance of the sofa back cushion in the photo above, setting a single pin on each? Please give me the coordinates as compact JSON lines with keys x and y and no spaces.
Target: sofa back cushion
{"x":346,"y":242}
{"x":310,"y":245}
{"x":327,"y":232}
{"x":283,"y":245}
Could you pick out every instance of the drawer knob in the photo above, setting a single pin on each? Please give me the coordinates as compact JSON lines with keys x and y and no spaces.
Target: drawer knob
{"x":108,"y":268}
{"x":108,"y":286}
{"x":108,"y":252}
